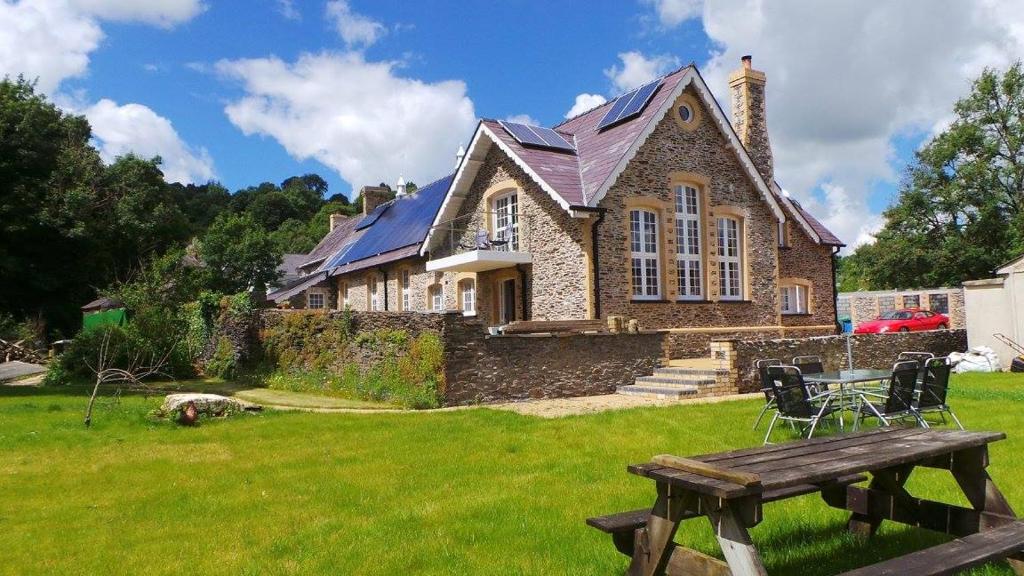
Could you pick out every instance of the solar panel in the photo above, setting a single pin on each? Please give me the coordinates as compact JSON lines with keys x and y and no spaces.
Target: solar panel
{"x":536,"y":136}
{"x":553,"y":139}
{"x":523,"y":134}
{"x":629,"y":104}
{"x":374,"y":214}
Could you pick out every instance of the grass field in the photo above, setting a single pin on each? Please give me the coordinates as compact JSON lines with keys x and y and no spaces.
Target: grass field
{"x":466,"y":492}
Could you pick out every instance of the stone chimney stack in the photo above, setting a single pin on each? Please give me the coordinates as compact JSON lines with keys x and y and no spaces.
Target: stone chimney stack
{"x":336,"y":220}
{"x":373,"y":196}
{"x":746,"y":86}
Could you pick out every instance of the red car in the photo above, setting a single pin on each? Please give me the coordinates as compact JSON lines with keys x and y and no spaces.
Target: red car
{"x":907,"y":320}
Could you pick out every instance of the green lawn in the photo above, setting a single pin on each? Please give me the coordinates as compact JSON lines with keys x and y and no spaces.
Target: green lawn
{"x":465,"y":492}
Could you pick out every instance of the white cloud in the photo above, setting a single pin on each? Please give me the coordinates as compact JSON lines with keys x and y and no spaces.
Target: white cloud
{"x":287,"y":9}
{"x":163,"y":13}
{"x":52,"y":39}
{"x":637,"y":70}
{"x":845,"y":78}
{"x":674,"y":12}
{"x":522,"y":119}
{"x":585,"y":102}
{"x":357,"y":117}
{"x":355,"y":29}
{"x":135,"y":128}
{"x":44,"y":39}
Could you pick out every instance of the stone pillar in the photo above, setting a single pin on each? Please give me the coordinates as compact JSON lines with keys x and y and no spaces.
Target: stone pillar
{"x":749,"y":116}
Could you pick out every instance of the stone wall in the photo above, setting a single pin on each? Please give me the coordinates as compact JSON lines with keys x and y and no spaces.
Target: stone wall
{"x":868,"y":305}
{"x":697,"y":156}
{"x":479,"y":368}
{"x":508,"y":368}
{"x":869,"y":350}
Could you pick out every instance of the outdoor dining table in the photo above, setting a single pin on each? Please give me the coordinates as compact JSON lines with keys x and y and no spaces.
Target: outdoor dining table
{"x":730,"y":488}
{"x":847,"y":381}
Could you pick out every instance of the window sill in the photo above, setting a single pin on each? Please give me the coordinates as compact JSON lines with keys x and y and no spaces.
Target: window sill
{"x":797,"y":314}
{"x":686,"y":301}
{"x":643,"y":301}
{"x":735,"y":302}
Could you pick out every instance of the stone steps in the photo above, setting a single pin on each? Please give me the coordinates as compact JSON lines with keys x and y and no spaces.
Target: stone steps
{"x":673,"y":382}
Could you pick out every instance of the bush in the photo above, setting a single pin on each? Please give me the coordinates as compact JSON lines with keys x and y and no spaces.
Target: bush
{"x":222,"y":364}
{"x":315,"y":352}
{"x":124,"y":345}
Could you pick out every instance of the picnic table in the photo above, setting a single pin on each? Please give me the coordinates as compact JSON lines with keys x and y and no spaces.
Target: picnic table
{"x":730,"y":489}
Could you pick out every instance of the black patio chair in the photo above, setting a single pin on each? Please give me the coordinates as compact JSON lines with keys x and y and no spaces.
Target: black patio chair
{"x":794,"y":402}
{"x":761,"y":368}
{"x":897,"y":404}
{"x":934,"y":390}
{"x":811,"y":365}
{"x":921,"y":358}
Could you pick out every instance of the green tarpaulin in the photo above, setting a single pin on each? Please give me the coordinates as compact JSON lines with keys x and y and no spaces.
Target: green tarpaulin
{"x":114,"y":317}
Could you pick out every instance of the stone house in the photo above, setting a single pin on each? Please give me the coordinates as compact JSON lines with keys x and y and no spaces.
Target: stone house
{"x":655,"y":206}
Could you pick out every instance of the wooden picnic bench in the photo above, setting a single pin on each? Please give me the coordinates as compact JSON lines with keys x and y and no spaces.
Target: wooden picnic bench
{"x":730,"y":488}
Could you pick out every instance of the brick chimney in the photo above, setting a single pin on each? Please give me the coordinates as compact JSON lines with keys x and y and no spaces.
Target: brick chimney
{"x":336,"y":220}
{"x":748,"y":115}
{"x":373,"y":196}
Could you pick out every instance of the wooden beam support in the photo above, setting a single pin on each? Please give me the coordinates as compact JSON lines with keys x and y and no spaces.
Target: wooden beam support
{"x":731,"y":531}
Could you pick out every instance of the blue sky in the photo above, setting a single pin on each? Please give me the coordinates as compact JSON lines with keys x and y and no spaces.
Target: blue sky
{"x":359,"y":91}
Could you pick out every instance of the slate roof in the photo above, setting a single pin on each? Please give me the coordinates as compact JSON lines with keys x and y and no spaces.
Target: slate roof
{"x":289,"y":267}
{"x":577,"y":178}
{"x":395,"y":231}
{"x":333,"y":241}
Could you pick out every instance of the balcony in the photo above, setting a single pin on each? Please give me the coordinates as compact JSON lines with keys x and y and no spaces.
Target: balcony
{"x":480,"y":242}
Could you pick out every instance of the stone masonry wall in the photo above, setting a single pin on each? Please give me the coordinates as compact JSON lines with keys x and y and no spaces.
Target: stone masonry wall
{"x":869,"y":350}
{"x":557,"y":278}
{"x":481,"y":368}
{"x":484,"y":369}
{"x":805,"y":260}
{"x":702,"y":151}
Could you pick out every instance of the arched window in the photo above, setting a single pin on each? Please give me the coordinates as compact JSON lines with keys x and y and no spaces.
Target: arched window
{"x":506,"y":221}
{"x":643,"y":249}
{"x":406,"y":290}
{"x":467,"y":296}
{"x":435,"y":297}
{"x":730,"y":258}
{"x":688,"y":246}
{"x":374,"y":289}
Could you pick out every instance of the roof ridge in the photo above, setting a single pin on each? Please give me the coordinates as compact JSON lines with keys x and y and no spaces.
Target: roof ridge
{"x":617,"y":96}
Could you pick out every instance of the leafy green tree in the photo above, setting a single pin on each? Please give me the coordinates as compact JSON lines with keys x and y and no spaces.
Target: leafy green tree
{"x":239,"y":254}
{"x":958,"y":216}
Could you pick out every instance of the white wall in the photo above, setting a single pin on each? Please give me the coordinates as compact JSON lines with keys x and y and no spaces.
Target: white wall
{"x":989,"y":308}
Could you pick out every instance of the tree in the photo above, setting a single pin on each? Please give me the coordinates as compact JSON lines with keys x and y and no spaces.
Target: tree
{"x":958,"y":216}
{"x":239,"y":254}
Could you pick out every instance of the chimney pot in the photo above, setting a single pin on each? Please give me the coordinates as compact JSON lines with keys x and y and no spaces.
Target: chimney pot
{"x":747,"y":61}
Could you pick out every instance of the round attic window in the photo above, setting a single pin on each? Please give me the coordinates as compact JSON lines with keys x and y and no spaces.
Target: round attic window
{"x":685,"y":113}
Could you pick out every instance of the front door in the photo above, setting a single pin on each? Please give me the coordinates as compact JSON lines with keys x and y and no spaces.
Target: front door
{"x":508,"y":301}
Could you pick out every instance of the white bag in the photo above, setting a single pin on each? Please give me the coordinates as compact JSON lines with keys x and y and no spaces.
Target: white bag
{"x":977,"y":359}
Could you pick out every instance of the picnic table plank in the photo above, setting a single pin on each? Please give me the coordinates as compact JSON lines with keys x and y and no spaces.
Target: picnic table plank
{"x":853,"y":457}
{"x":954,"y":556}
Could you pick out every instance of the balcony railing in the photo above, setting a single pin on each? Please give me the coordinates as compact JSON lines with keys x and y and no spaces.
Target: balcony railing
{"x":482,"y":231}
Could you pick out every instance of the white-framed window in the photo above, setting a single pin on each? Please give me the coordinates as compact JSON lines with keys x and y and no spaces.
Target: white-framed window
{"x":688,"y":249}
{"x":406,"y":290}
{"x":506,"y":221}
{"x":643,"y":251}
{"x":794,"y":299}
{"x":343,"y":295}
{"x":375,"y":304}
{"x":467,"y":294}
{"x":730,"y":259}
{"x":436,"y":295}
{"x":315,"y":300}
